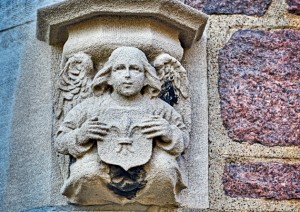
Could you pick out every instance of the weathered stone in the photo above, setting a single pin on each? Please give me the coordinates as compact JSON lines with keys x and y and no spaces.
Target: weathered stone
{"x":124,"y":125}
{"x":262,"y":180}
{"x":197,"y":4}
{"x":30,"y":177}
{"x":294,"y":6}
{"x":15,"y":13}
{"x":245,"y":7}
{"x":54,"y":21}
{"x":259,"y":87}
{"x":11,"y":42}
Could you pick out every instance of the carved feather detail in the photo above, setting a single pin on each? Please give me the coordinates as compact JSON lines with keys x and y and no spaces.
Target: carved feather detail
{"x":175,"y":89}
{"x":170,"y":69}
{"x":73,"y":86}
{"x":74,"y":82}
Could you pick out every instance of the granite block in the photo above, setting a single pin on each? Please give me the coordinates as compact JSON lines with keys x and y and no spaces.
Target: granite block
{"x":197,"y":4}
{"x":278,"y":181}
{"x":259,"y":87}
{"x":244,"y":7}
{"x":294,"y":6}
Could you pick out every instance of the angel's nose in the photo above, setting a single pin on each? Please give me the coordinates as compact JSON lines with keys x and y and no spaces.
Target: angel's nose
{"x":127,"y":73}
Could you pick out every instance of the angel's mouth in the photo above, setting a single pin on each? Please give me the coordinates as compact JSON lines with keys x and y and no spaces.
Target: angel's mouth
{"x":127,"y":83}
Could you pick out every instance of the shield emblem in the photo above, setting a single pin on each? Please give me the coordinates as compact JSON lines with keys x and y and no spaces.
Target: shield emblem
{"x":125,"y":145}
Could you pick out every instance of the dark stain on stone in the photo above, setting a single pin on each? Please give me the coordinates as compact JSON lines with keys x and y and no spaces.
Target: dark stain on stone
{"x":168,"y":93}
{"x":278,"y":181}
{"x":294,"y":6}
{"x":244,"y":7}
{"x":126,"y":183}
{"x":259,"y":87}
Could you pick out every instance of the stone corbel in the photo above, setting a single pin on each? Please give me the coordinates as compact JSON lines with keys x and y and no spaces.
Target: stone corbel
{"x":98,"y":27}
{"x":162,"y":32}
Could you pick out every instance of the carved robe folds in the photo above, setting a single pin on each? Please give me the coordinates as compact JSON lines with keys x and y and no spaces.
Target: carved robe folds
{"x":122,"y":101}
{"x":124,"y":141}
{"x":90,"y":178}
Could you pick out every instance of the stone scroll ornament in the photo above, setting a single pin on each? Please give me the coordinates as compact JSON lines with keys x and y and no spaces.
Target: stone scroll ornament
{"x":119,"y":130}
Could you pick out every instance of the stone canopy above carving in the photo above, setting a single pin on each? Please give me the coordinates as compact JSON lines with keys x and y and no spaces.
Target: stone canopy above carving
{"x":54,"y":20}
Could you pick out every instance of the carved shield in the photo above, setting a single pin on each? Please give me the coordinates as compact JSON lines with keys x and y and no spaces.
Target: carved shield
{"x":125,"y":145}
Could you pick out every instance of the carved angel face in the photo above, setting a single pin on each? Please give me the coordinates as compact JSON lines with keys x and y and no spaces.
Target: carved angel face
{"x":127,"y":76}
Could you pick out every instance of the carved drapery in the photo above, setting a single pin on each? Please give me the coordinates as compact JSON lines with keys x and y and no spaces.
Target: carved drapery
{"x":122,"y":101}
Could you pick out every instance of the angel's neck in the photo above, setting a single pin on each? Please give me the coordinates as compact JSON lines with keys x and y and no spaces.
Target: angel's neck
{"x":127,"y":100}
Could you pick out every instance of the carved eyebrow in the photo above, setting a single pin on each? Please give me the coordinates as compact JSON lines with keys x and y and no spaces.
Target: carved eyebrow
{"x":119,"y":66}
{"x":134,"y":66}
{"x":137,"y":67}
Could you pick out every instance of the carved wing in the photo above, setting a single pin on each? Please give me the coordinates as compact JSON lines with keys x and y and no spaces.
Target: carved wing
{"x":74,"y":83}
{"x":175,"y":89}
{"x":73,"y":86}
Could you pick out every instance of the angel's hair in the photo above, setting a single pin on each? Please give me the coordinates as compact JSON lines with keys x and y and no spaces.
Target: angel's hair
{"x":80,"y":57}
{"x":152,"y":83}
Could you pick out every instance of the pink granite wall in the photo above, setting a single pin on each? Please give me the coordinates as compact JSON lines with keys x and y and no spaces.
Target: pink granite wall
{"x":262,"y":180}
{"x":254,"y":104}
{"x":294,"y":6}
{"x":246,"y":7}
{"x":259,"y":86}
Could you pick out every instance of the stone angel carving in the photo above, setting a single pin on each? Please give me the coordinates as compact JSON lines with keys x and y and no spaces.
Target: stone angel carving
{"x":74,"y":83}
{"x":175,"y":85}
{"x":124,"y":140}
{"x":73,"y":86}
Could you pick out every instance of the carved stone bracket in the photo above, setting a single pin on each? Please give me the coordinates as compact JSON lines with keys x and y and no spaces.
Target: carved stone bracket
{"x":122,"y":99}
{"x":101,"y":26}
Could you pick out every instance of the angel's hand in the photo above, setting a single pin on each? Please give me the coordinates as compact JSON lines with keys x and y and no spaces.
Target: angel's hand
{"x":92,"y":129}
{"x":157,"y":126}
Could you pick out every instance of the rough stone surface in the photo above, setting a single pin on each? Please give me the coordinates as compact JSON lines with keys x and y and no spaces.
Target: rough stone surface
{"x":262,"y":180}
{"x":18,"y":12}
{"x":30,"y":137}
{"x":294,"y":6}
{"x":223,"y":150}
{"x":245,"y":7}
{"x":15,"y":17}
{"x":197,"y":4}
{"x":259,"y":87}
{"x":11,"y":42}
{"x":15,"y":13}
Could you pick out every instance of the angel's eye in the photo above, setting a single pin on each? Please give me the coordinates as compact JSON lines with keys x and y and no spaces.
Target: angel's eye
{"x":136,"y":68}
{"x":119,"y":68}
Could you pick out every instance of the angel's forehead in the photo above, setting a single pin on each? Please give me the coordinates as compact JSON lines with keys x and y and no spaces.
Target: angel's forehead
{"x":127,"y":60}
{"x":128,"y":55}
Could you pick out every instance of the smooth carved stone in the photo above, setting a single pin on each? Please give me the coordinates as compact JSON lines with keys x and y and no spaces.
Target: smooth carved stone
{"x":294,"y":6}
{"x":259,"y":87}
{"x":123,"y":140}
{"x":245,"y":7}
{"x":262,"y":180}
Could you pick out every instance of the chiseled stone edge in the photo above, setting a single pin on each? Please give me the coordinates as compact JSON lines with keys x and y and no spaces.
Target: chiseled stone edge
{"x":52,"y":21}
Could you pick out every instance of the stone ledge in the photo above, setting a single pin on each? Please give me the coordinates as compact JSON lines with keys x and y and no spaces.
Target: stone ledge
{"x":53,"y":21}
